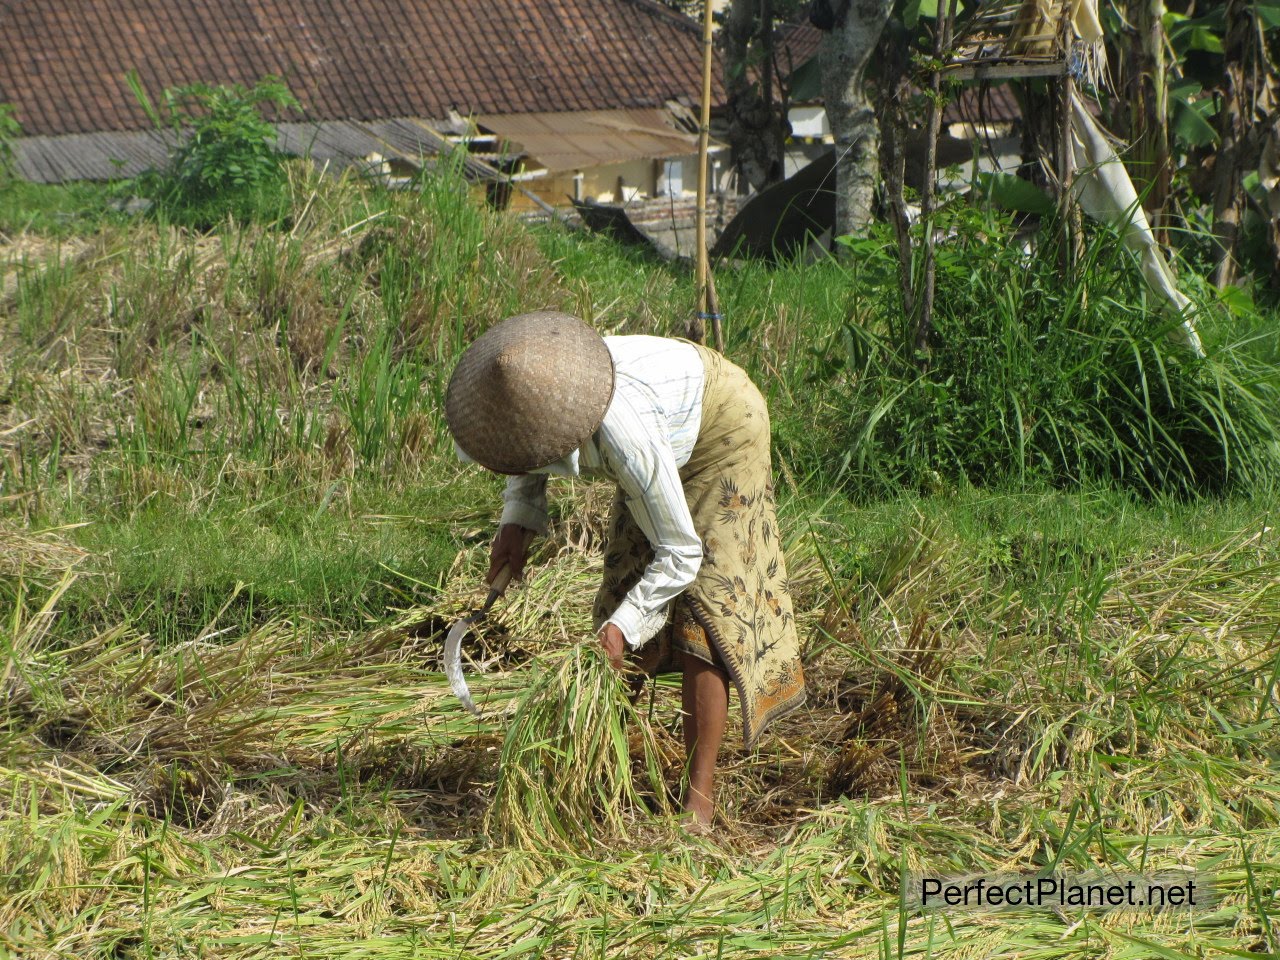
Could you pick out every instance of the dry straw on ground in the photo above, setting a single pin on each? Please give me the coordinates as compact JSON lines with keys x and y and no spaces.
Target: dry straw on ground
{"x":259,"y":784}
{"x":292,"y":788}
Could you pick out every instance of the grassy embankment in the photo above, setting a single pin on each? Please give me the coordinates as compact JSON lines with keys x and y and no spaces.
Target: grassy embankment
{"x":232,"y":532}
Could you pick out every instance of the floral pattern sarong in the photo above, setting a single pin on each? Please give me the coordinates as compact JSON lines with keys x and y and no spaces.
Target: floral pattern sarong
{"x":737,"y":613}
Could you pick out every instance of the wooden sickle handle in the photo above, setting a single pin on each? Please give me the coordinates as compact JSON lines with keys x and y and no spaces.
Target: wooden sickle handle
{"x":503,"y":579}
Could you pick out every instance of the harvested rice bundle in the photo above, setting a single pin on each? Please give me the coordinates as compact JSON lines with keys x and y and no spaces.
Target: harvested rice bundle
{"x":565,"y":776}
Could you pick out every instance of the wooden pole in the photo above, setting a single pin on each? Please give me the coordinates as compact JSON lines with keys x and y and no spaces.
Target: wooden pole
{"x":941,"y":46}
{"x":707,"y":307}
{"x":894,"y":179}
{"x":1072,"y":228}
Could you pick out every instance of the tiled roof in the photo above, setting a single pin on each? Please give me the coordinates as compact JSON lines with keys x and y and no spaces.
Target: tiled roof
{"x":63,"y":62}
{"x":796,"y":43}
{"x":993,"y":103}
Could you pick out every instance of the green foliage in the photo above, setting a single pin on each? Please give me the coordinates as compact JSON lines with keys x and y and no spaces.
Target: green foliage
{"x":57,"y":209}
{"x":10,"y":131}
{"x":332,"y":551}
{"x":1197,"y":43}
{"x":1193,"y":114}
{"x":230,"y":143}
{"x":913,"y":10}
{"x":1011,"y":192}
{"x":1036,"y":380}
{"x":226,"y":163}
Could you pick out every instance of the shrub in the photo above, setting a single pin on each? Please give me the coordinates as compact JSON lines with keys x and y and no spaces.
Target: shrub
{"x":1035,"y":378}
{"x":226,"y":163}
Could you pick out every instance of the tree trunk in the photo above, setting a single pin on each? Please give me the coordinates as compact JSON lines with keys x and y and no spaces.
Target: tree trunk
{"x":758,"y":126}
{"x":1148,"y":98}
{"x":895,"y":89}
{"x":1234,"y":115}
{"x":844,"y":54}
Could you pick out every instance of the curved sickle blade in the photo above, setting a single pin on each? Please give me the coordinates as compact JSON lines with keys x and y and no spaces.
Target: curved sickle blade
{"x":453,"y":662}
{"x":453,"y":642}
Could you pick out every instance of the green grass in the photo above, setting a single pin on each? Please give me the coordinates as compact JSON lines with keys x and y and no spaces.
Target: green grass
{"x":57,"y":209}
{"x":233,"y":533}
{"x":338,"y":552}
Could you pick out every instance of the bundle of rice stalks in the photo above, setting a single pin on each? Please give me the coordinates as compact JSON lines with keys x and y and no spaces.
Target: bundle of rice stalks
{"x":565,"y":776}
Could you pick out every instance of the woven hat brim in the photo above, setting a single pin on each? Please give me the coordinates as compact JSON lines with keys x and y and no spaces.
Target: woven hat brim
{"x":530,"y":391}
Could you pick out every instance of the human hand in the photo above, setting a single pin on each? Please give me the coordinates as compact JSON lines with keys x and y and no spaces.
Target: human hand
{"x":508,"y":550}
{"x":613,"y":643}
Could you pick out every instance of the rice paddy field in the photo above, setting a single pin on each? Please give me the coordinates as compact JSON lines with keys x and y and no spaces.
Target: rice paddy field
{"x":1038,"y":588}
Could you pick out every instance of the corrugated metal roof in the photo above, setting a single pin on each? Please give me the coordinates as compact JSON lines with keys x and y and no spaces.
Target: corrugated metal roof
{"x":589,"y":138}
{"x":90,"y":156}
{"x":340,"y":143}
{"x":413,"y":139}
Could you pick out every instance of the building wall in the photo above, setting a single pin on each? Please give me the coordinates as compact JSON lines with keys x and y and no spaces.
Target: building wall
{"x":640,"y":179}
{"x":637,"y":177}
{"x":809,"y":120}
{"x":800,"y":155}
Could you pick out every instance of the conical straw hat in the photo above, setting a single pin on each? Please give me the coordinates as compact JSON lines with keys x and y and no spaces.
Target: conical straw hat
{"x":531,"y":390}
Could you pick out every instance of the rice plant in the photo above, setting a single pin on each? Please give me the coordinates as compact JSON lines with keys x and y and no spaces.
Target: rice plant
{"x":1035,"y":582}
{"x":565,"y":772}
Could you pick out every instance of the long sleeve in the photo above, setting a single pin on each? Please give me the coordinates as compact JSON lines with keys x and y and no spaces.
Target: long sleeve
{"x":525,"y":501}
{"x":641,"y":459}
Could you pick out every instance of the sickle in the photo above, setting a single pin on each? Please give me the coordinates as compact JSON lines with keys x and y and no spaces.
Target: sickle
{"x":453,"y":642}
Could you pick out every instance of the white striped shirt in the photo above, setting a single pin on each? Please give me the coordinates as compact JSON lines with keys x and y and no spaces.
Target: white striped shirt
{"x":647,"y":435}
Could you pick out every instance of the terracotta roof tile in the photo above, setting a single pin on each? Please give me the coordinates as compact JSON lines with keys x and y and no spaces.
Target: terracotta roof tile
{"x":63,"y":64}
{"x":795,"y":43}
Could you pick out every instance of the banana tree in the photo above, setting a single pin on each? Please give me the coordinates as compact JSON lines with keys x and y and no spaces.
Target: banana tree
{"x":1222,"y":107}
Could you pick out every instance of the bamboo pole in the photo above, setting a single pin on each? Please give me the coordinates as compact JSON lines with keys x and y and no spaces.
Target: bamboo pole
{"x":707,"y":308}
{"x":1072,"y":227}
{"x":941,"y":46}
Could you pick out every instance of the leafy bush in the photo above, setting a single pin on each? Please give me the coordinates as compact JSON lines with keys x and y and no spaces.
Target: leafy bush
{"x":10,"y":131}
{"x":1034,"y":378}
{"x":226,"y":163}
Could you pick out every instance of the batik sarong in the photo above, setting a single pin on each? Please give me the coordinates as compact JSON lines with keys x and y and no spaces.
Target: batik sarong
{"x":737,"y":613}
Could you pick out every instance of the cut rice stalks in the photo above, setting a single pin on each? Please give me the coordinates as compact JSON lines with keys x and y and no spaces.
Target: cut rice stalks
{"x":565,"y":778}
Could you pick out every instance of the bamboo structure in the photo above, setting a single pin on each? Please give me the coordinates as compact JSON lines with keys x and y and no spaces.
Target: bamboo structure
{"x":1001,"y":40}
{"x":941,"y":42}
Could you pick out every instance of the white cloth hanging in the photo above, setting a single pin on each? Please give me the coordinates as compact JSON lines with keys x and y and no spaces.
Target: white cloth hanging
{"x":1105,"y":192}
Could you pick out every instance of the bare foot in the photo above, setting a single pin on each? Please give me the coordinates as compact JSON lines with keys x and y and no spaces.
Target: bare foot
{"x":699,"y":811}
{"x":694,"y":826}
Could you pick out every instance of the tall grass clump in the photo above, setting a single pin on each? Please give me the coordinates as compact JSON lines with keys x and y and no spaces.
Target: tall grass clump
{"x":565,"y":776}
{"x":1032,"y":378}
